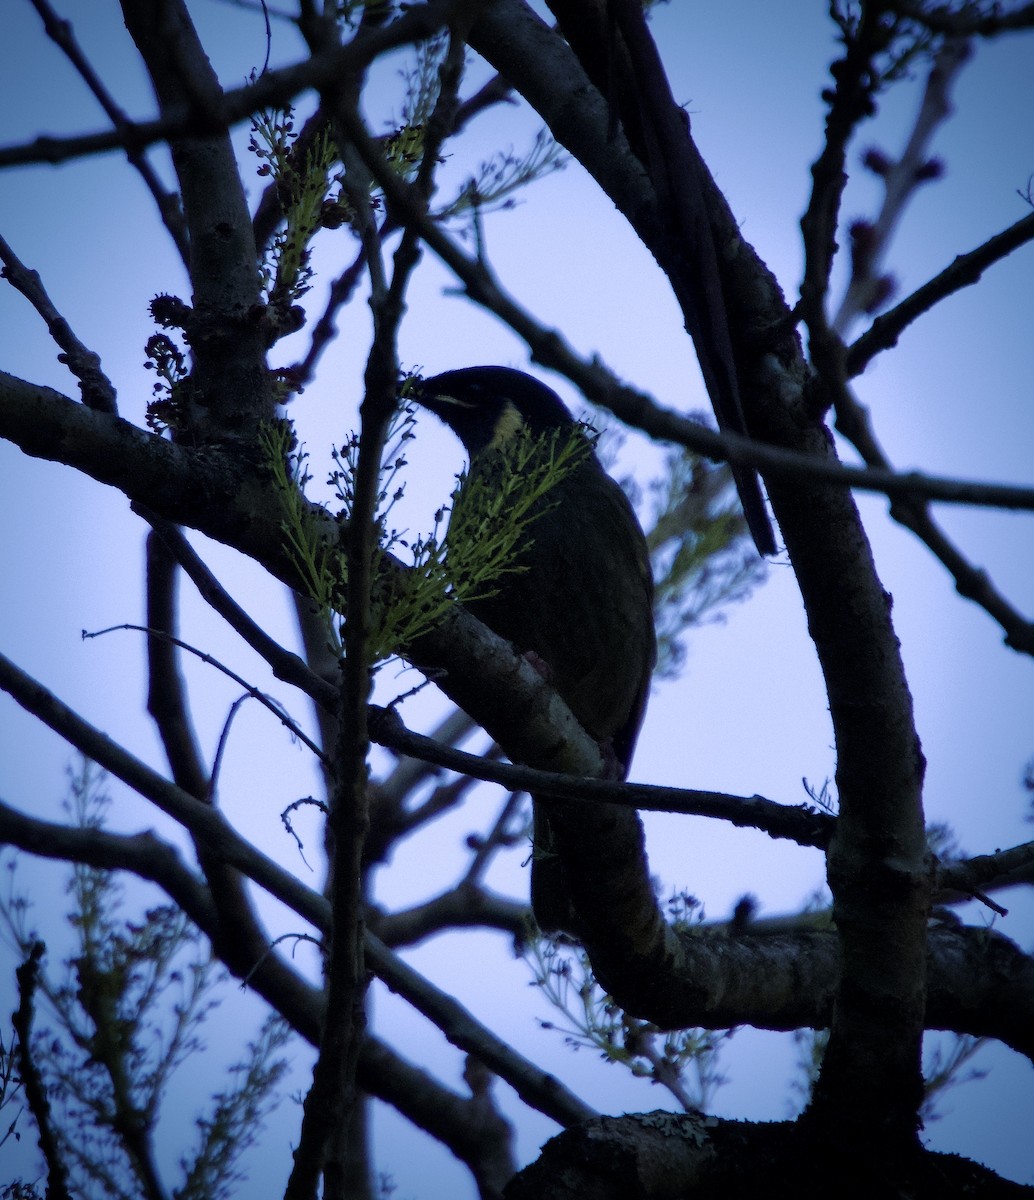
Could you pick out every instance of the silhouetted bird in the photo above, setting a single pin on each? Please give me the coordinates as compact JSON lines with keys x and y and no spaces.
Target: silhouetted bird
{"x":584,"y":602}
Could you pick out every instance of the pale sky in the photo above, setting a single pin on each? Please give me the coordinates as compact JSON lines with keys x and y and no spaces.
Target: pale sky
{"x":749,"y":713}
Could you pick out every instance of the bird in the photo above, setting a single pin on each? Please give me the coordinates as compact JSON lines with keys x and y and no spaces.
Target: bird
{"x":579,"y":604}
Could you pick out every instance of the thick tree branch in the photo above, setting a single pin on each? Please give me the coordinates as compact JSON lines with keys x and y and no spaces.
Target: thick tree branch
{"x":869,"y":1092}
{"x":142,"y":854}
{"x":1004,"y":868}
{"x":382,"y":1072}
{"x":231,"y":389}
{"x":614,"y":45}
{"x":208,"y":825}
{"x":465,"y":906}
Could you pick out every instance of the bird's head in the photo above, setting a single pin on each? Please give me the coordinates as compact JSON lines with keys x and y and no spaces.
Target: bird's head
{"x":485,"y":406}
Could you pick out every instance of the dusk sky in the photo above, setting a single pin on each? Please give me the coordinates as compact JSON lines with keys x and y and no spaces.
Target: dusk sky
{"x":747,"y":715}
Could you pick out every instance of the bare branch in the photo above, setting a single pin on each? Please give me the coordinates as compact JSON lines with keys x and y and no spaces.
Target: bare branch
{"x":270,"y":90}
{"x":271,"y":705}
{"x":382,"y":1072}
{"x":965,"y":270}
{"x":968,"y":20}
{"x":901,"y":179}
{"x":540,"y":1090}
{"x":913,"y":512}
{"x":60,"y":31}
{"x":801,"y":824}
{"x":96,"y":388}
{"x":849,"y":101}
{"x":1004,"y":868}
{"x":462,"y":907}
{"x":536,"y":1088}
{"x":166,"y":691}
{"x":285,"y":665}
{"x":143,"y":854}
{"x":35,"y":1089}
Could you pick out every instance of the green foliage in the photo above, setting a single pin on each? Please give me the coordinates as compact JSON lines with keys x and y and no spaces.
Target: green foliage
{"x":683,"y":1061}
{"x":444,"y":568}
{"x":421,"y":82}
{"x":300,"y":172}
{"x":498,"y":178}
{"x":125,"y":1016}
{"x":236,"y":1119}
{"x":702,"y":560}
{"x":494,"y":508}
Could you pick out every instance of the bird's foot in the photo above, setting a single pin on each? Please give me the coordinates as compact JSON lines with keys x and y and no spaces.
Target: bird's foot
{"x":536,"y":661}
{"x":613,"y":767}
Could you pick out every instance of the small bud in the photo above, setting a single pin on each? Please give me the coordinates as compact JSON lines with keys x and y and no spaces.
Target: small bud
{"x":882,"y":292}
{"x":933,"y":168}
{"x":876,"y":161}
{"x":863,"y":240}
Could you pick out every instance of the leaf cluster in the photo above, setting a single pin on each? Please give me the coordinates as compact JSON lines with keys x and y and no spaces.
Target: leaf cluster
{"x":300,"y":171}
{"x":684,"y":1061}
{"x":492,"y":513}
{"x":126,"y":1015}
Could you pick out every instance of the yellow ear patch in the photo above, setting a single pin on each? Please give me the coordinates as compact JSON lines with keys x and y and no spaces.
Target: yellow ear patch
{"x":510,"y":422}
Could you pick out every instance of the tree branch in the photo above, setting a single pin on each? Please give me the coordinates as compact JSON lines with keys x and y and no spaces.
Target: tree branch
{"x":964,"y":270}
{"x":32,"y":1082}
{"x":208,"y":825}
{"x":60,"y":31}
{"x":96,"y":388}
{"x":382,"y":1072}
{"x":272,"y":89}
{"x":901,"y":179}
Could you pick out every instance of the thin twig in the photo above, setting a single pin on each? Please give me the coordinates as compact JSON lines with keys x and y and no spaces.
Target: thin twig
{"x":268,"y":702}
{"x":271,"y":90}
{"x":60,"y":32}
{"x":97,"y":390}
{"x":286,"y":665}
{"x":539,"y":1089}
{"x":964,"y":270}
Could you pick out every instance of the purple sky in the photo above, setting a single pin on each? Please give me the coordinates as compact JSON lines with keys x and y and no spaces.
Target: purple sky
{"x":748,"y":714}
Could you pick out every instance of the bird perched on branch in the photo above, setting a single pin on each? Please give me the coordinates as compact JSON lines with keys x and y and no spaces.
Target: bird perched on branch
{"x":580,"y":599}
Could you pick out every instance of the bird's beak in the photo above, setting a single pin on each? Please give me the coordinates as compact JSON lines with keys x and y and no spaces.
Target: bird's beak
{"x":444,"y":398}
